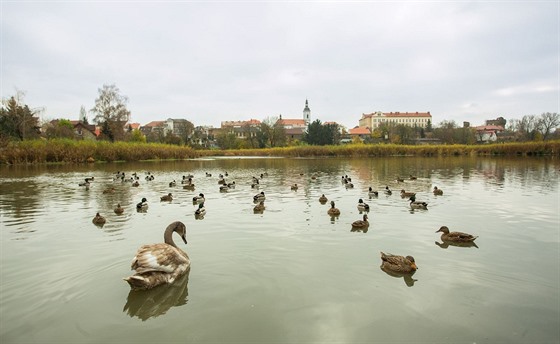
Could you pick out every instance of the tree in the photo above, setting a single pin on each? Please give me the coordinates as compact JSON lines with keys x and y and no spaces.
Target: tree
{"x":273,"y":132}
{"x":83,"y":115}
{"x":62,"y":128}
{"x":111,"y":112}
{"x":527,"y":127}
{"x":184,"y":130}
{"x":547,"y":122}
{"x":17,"y":120}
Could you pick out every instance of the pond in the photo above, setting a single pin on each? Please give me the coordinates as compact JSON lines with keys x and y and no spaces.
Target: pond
{"x":291,"y":273}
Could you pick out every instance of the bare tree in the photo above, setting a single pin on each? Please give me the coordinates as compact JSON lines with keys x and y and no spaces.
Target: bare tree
{"x":547,"y":122}
{"x":111,"y":112}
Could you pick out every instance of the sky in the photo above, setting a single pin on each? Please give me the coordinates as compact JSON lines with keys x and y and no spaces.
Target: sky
{"x":212,"y":61}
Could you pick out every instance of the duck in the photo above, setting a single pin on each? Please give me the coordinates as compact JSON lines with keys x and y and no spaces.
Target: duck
{"x":136,"y":184}
{"x":333,"y":211}
{"x":224,"y":188}
{"x":98,"y":219}
{"x":167,"y":198}
{"x":259,"y":197}
{"x":89,"y":179}
{"x":398,"y":264}
{"x":413,"y":177}
{"x":159,"y":264}
{"x":455,"y":236}
{"x":361,"y":224}
{"x":388,"y":191}
{"x":407,"y":194}
{"x":259,"y":208}
{"x":231,"y":185}
{"x":142,"y":205}
{"x":294,"y":187}
{"x":86,"y":184}
{"x":119,"y":210}
{"x":221,"y":181}
{"x":414,"y":204}
{"x":348,"y":185}
{"x":362,"y":206}
{"x":208,"y":174}
{"x":323,"y":199}
{"x":372,"y":193}
{"x":200,"y":198}
{"x":255,"y":184}
{"x":201,"y":211}
{"x":438,"y":192}
{"x":172,"y":183}
{"x":400,"y":180}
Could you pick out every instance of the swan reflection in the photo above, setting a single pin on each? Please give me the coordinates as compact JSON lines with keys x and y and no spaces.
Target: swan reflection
{"x":146,"y":304}
{"x":408,"y":280}
{"x":446,"y":244}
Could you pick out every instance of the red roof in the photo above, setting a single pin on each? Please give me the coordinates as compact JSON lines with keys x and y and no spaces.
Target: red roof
{"x":292,"y":121}
{"x":359,"y":131}
{"x":134,"y":125}
{"x":400,"y":114}
{"x":155,"y":124}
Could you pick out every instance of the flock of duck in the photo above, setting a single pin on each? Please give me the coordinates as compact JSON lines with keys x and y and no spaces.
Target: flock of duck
{"x":163,"y":263}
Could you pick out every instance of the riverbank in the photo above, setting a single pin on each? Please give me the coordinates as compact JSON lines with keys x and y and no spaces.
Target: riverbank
{"x":71,"y":151}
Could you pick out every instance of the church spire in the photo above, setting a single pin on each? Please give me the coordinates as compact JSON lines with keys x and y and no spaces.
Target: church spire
{"x":306,"y":112}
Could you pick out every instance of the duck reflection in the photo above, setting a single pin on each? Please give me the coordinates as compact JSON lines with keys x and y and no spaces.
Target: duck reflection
{"x":408,"y":280}
{"x":146,"y":304}
{"x":445,"y":244}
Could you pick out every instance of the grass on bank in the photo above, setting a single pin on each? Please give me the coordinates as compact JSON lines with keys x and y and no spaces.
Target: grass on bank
{"x":71,"y":151}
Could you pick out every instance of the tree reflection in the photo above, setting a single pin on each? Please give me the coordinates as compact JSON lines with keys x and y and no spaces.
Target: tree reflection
{"x":146,"y":304}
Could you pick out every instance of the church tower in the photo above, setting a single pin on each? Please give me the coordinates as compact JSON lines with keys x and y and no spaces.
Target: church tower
{"x":306,"y":113}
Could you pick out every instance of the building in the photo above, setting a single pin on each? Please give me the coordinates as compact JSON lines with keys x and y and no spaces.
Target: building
{"x":359,"y":132}
{"x":488,"y":133}
{"x":154,"y":127}
{"x":241,"y":129}
{"x":295,"y":127}
{"x":412,"y":119}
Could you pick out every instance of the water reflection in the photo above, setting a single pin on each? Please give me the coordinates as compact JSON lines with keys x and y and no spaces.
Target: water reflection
{"x":446,"y":244}
{"x":407,"y":277}
{"x":145,"y":304}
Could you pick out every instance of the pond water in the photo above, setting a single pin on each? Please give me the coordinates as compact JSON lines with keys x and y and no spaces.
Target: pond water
{"x":293,"y":273}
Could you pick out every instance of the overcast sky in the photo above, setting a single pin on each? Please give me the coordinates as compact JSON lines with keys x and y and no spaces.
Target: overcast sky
{"x":215,"y":61}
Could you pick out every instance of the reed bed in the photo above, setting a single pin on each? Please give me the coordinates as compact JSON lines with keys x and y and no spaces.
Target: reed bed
{"x":71,"y":151}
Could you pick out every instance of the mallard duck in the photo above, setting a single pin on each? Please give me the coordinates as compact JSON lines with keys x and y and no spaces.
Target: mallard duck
{"x":332,"y":210}
{"x":259,"y":197}
{"x":362,"y":206}
{"x":136,"y":184}
{"x":259,"y":208}
{"x":98,"y":219}
{"x":388,"y":191}
{"x":86,"y":184}
{"x":372,"y":193}
{"x":407,"y":194}
{"x":294,"y":187}
{"x":221,"y":181}
{"x":142,"y":205}
{"x":414,"y":204}
{"x":200,"y":198}
{"x":172,"y":183}
{"x":412,"y":177}
{"x":323,"y":198}
{"x":201,"y":211}
{"x":167,"y":198}
{"x":255,"y":184}
{"x":158,"y":264}
{"x":398,"y":264}
{"x":224,"y":188}
{"x":119,"y":210}
{"x":400,"y":180}
{"x":438,"y":192}
{"x":231,"y":185}
{"x":89,"y":179}
{"x":361,"y":224}
{"x":455,"y":236}
{"x":348,"y":185}
{"x":208,"y":174}
{"x":188,"y":186}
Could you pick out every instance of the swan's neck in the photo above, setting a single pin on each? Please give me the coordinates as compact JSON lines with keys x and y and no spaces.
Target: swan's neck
{"x":168,"y":236}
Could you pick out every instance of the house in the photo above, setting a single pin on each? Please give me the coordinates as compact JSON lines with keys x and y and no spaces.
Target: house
{"x":488,"y":133}
{"x":84,"y":131}
{"x":412,"y":119}
{"x":153,"y":127}
{"x":241,"y":129}
{"x":359,"y":132}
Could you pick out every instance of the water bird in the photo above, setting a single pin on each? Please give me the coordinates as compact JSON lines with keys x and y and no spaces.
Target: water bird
{"x":109,"y":190}
{"x":98,"y":219}
{"x":172,"y":184}
{"x":323,"y":199}
{"x":136,"y":184}
{"x":400,"y":180}
{"x":167,"y":198}
{"x":200,"y":198}
{"x":388,"y":191}
{"x":231,"y":185}
{"x":259,"y":208}
{"x":224,"y":188}
{"x":162,"y":263}
{"x":142,"y":205}
{"x":119,"y":210}
{"x":372,"y":193}
{"x":446,"y":235}
{"x":438,"y":192}
{"x":208,"y":174}
{"x":405,"y":194}
{"x":201,"y":210}
{"x":414,"y":204}
{"x":333,"y":211}
{"x":294,"y":187}
{"x":89,"y":179}
{"x":259,"y":197}
{"x":412,"y":177}
{"x":361,"y":224}
{"x":398,"y":264}
{"x":362,"y":206}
